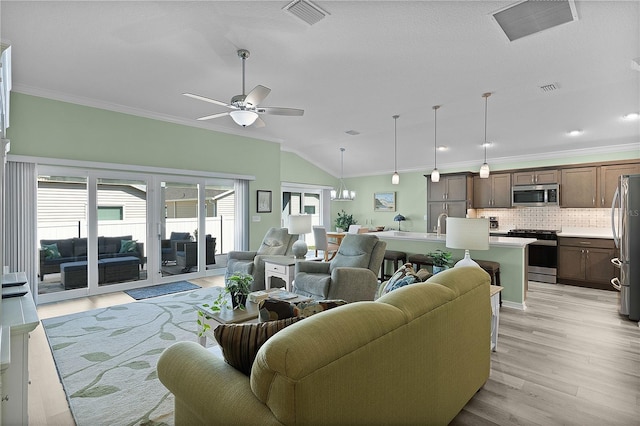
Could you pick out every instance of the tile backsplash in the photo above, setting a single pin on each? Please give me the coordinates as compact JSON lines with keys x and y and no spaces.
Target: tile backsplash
{"x":549,"y":217}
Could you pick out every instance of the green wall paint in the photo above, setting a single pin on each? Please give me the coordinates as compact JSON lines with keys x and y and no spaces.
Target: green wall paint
{"x":294,"y":169}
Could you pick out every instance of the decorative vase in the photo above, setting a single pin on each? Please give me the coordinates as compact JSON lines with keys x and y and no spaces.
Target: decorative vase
{"x":339,"y":229}
{"x":437,"y":269}
{"x":238,"y":300}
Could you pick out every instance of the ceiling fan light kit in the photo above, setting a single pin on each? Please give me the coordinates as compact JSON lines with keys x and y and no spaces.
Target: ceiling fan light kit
{"x":245,"y":111}
{"x":435,"y":174}
{"x":341,"y":193}
{"x":395,"y":179}
{"x":484,"y":169}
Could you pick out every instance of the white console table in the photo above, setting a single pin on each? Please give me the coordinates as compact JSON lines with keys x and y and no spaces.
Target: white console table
{"x":19,"y":318}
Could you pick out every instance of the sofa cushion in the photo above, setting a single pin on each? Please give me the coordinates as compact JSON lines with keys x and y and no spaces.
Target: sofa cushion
{"x":65,"y":246}
{"x":79,"y":247}
{"x":51,"y":251}
{"x":275,"y":242}
{"x":128,"y":246}
{"x":405,"y":275}
{"x":354,"y":251}
{"x":306,"y":309}
{"x":275,"y":309}
{"x":240,"y":342}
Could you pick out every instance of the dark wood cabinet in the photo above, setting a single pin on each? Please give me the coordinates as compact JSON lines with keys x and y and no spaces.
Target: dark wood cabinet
{"x":449,"y":188}
{"x":492,"y":192}
{"x":451,"y":195}
{"x":452,"y":209}
{"x":609,"y":180}
{"x":578,"y":187}
{"x":535,"y":177}
{"x":586,"y":262}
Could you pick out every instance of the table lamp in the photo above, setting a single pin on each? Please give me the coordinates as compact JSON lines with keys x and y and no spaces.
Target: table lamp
{"x":467,"y":234}
{"x":399,"y":218}
{"x":299,"y":224}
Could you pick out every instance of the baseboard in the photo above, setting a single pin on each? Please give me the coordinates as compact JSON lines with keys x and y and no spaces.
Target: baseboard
{"x":514,"y":305}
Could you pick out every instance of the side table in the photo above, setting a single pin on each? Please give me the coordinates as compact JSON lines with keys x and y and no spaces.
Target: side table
{"x":494,"y":293}
{"x":284,"y":268}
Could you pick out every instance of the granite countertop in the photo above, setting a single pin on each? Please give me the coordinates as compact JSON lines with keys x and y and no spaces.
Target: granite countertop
{"x":586,"y":232}
{"x":433,"y":238}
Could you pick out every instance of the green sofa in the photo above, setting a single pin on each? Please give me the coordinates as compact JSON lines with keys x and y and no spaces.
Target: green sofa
{"x":417,"y":355}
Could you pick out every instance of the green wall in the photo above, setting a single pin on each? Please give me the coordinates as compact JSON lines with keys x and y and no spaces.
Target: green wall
{"x":52,"y":129}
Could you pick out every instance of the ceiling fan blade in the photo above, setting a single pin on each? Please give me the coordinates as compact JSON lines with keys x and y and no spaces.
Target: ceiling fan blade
{"x":257,"y":95}
{"x":259,"y":122}
{"x":280,"y":111}
{"x":209,"y":117}
{"x":202,"y":98}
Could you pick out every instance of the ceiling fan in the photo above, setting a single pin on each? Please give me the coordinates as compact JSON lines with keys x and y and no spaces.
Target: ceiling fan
{"x":244,"y":108}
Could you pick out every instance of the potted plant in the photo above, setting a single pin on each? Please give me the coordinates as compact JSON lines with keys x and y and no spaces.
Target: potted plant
{"x":238,"y":286}
{"x":441,"y":260}
{"x":344,"y":220}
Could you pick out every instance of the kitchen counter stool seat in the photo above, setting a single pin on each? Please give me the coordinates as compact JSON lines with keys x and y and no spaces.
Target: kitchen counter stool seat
{"x":493,"y":269}
{"x":397,"y":257}
{"x":419,"y":260}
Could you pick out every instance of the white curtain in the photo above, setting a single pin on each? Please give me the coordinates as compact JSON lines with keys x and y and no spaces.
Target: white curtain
{"x":241,"y":241}
{"x":21,"y":221}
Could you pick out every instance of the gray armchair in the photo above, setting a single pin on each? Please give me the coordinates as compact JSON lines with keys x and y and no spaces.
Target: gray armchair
{"x":351,"y":275}
{"x":187,"y":253}
{"x":169,"y":247}
{"x":276,"y":243}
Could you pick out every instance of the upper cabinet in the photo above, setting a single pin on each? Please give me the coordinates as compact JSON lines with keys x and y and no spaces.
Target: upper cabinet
{"x":449,"y":188}
{"x":535,"y":177}
{"x":493,"y":192}
{"x":609,"y":180}
{"x":578,"y":187}
{"x":592,"y":186}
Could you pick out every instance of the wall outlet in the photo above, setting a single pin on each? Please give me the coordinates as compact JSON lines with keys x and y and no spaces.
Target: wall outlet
{"x":255,"y":218}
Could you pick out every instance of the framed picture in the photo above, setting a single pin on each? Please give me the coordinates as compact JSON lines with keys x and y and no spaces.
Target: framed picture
{"x":384,"y":202}
{"x":264,"y":201}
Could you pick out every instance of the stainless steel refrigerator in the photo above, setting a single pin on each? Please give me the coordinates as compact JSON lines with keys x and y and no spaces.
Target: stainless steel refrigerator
{"x":625,"y":224}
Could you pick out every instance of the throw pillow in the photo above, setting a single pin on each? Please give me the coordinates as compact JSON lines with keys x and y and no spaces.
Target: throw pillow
{"x":306,"y":309}
{"x":409,"y":279}
{"x":275,"y":309}
{"x":404,"y":271}
{"x":240,"y":342}
{"x":51,"y":251}
{"x":128,"y":246}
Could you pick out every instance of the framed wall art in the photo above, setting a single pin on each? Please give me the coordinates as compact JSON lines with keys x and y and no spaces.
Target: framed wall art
{"x":384,"y":202}
{"x":264,"y":201}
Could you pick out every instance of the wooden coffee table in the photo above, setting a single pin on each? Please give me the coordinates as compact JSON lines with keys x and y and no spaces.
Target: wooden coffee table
{"x":230,"y":316}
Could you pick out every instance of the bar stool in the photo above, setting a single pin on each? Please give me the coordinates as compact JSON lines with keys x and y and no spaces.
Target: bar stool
{"x":493,"y":269}
{"x":419,"y":260}
{"x":398,"y":258}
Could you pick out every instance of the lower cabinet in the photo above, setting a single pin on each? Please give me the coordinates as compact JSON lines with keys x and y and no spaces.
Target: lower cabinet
{"x":586,"y":262}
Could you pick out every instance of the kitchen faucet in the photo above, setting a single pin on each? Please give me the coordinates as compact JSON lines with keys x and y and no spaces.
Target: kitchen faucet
{"x":439,"y":227}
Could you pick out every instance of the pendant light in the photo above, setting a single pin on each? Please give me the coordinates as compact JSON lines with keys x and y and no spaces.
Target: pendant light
{"x":395,"y":179}
{"x":435,"y":174}
{"x":342,"y":193}
{"x":484,"y":169}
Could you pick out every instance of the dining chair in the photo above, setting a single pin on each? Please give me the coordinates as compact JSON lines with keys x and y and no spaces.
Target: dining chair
{"x":353,"y":229}
{"x":323,"y":244}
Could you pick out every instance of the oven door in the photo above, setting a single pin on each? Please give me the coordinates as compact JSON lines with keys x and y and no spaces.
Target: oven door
{"x":543,"y":261}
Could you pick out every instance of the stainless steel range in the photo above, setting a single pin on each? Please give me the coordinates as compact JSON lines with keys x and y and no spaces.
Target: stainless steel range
{"x":543,"y":254}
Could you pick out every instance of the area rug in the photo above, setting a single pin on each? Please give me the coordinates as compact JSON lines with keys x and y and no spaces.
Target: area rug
{"x":161,"y":289}
{"x":106,"y":358}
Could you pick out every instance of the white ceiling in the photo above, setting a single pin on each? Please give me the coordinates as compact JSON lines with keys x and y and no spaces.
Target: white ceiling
{"x":353,"y":70}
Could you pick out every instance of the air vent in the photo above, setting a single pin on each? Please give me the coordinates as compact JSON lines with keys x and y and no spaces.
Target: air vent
{"x":549,"y":87}
{"x":305,"y":10}
{"x":352,"y":132}
{"x":532,"y":16}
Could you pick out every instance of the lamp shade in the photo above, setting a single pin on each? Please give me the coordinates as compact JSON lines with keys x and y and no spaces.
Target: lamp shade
{"x":300,"y":224}
{"x":399,"y":218}
{"x":467,"y":234}
{"x":243,"y":117}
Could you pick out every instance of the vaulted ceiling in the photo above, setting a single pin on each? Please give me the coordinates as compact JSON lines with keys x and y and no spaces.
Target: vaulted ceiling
{"x":350,"y":72}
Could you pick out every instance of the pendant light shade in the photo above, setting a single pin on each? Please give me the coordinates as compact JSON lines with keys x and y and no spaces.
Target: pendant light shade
{"x":484,"y":169}
{"x":243,"y":117}
{"x":395,"y":179}
{"x":341,"y":193}
{"x":435,"y":174}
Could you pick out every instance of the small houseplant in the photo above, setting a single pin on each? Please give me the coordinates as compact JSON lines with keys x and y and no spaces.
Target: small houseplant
{"x":238,"y":286}
{"x":344,"y":220}
{"x":441,"y":260}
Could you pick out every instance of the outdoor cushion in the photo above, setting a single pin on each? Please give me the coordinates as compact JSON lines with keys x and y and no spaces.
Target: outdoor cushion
{"x":51,"y":251}
{"x":128,"y":246}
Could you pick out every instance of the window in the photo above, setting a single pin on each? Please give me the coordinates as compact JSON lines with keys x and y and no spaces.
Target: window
{"x":110,"y":213}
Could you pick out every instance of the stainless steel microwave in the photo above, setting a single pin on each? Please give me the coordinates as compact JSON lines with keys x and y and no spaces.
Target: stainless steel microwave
{"x":535,"y":195}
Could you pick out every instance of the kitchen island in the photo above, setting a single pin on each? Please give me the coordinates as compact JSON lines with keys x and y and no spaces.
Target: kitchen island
{"x":510,"y":252}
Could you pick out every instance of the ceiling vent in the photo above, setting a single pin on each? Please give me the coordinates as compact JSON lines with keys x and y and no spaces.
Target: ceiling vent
{"x":305,"y":10}
{"x":352,"y":132}
{"x":532,"y":16}
{"x":549,"y":87}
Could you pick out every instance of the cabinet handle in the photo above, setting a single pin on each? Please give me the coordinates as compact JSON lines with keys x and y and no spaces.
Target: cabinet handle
{"x":533,"y":179}
{"x":536,"y":179}
{"x":593,"y":201}
{"x":587,"y":243}
{"x":602,"y":202}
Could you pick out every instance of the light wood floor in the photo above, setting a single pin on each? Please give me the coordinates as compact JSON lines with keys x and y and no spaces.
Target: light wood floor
{"x":569,"y":359}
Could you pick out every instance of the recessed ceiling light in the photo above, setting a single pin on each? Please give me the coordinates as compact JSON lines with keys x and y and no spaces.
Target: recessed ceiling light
{"x":443,"y":148}
{"x":575,"y":133}
{"x":631,"y":116}
{"x":486,"y":144}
